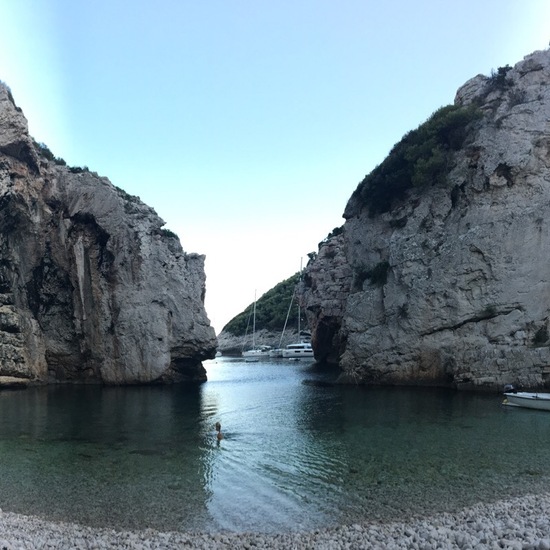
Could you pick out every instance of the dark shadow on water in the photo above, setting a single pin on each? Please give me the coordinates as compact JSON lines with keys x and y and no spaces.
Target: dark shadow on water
{"x":98,"y":453}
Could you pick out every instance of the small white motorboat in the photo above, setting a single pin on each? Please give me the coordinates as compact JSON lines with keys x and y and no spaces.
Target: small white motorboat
{"x":527,"y":400}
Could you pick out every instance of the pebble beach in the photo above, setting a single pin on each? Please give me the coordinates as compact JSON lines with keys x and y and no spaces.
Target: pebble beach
{"x":518,"y":523}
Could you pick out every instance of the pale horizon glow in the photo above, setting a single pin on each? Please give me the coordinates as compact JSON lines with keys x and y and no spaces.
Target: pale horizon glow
{"x":247,"y":125}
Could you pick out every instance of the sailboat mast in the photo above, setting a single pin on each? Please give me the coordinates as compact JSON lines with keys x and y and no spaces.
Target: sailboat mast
{"x":254,"y":324}
{"x":298,"y":303}
{"x":298,"y":319}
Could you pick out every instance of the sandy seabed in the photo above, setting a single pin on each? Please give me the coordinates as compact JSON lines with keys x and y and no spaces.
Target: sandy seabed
{"x":518,"y":523}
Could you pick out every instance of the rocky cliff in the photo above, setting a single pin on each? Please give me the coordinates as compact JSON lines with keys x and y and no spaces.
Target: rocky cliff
{"x":92,"y":289}
{"x":447,"y":282}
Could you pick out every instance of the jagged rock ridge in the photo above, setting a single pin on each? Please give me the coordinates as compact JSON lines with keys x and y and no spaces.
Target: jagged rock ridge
{"x":92,"y":289}
{"x":464,"y":300}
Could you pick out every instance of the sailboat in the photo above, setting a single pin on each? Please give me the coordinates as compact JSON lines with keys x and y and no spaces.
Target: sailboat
{"x":256,"y":353}
{"x":278,"y":352}
{"x":301,"y":349}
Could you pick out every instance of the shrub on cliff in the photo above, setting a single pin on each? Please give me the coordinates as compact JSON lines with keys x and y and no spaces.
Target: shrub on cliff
{"x":422,"y":157}
{"x":499,"y":79}
{"x":45,"y":152}
{"x":335,"y":232}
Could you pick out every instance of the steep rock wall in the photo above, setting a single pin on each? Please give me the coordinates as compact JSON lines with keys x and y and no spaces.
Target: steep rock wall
{"x":92,"y":289}
{"x":465,"y":301}
{"x":323,"y":294}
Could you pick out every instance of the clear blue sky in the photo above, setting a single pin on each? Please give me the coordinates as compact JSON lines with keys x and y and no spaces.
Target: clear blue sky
{"x":247,"y":124}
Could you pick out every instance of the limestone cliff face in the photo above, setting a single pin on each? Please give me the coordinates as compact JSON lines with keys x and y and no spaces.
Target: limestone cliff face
{"x":92,"y":289}
{"x":464,"y":299}
{"x":324,"y":292}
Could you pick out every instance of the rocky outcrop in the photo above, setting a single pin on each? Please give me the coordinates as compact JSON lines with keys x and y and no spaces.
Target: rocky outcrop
{"x":13,"y":382}
{"x":323,"y":292}
{"x":461,"y":295}
{"x":92,"y":289}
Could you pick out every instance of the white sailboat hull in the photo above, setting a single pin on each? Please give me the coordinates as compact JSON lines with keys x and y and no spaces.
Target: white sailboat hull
{"x":256,"y":354}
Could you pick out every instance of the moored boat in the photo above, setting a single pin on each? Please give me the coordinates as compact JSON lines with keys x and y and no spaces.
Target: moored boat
{"x":257,"y":353}
{"x":303,"y":350}
{"x":527,"y":400}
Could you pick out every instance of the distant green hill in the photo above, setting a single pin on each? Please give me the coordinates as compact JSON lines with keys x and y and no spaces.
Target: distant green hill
{"x":271,"y":310}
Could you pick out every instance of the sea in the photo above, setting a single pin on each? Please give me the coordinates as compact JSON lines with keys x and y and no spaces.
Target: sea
{"x":299,"y":451}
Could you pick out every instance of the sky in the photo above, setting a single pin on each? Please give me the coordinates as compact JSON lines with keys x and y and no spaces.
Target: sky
{"x":247,"y":124}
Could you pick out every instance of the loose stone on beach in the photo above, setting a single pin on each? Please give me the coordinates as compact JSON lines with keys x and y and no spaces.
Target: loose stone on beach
{"x":517,"y":523}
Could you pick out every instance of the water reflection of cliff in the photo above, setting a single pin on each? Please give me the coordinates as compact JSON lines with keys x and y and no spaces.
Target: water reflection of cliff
{"x":416,"y":451}
{"x":125,"y":457}
{"x":297,"y":453}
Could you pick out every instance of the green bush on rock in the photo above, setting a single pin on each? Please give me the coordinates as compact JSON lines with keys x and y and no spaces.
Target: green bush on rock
{"x":422,"y":157}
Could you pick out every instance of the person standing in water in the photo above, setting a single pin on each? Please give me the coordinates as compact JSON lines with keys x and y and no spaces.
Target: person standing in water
{"x":219,"y":435}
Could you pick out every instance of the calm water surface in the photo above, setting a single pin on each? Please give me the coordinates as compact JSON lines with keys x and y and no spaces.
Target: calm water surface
{"x":296,"y":455}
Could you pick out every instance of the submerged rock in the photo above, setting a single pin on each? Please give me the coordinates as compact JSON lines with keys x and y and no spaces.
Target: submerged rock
{"x":447,"y":282}
{"x":92,"y":289}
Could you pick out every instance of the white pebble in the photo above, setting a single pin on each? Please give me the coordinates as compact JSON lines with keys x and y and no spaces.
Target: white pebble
{"x":520,"y":523}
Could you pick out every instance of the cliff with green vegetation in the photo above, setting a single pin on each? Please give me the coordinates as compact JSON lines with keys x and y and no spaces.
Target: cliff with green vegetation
{"x":440,"y":275}
{"x":423,"y":157}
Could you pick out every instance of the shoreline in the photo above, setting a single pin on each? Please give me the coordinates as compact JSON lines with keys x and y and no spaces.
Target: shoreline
{"x":520,"y":522}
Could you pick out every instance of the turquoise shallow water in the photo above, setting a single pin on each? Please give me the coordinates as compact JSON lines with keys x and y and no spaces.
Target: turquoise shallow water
{"x":296,"y":455}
